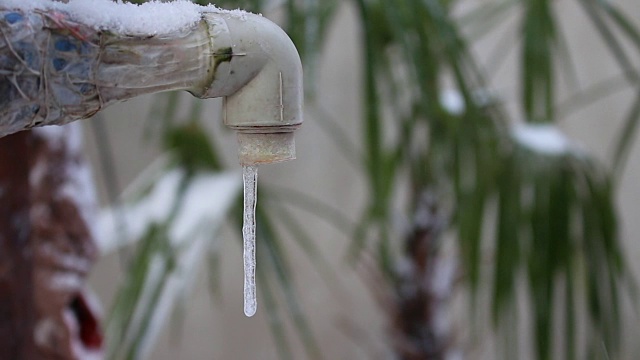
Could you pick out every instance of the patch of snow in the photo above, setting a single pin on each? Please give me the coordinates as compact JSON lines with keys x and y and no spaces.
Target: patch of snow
{"x":545,"y":139}
{"x":150,"y":18}
{"x":47,"y":332}
{"x":155,"y":207}
{"x":65,"y":281}
{"x":44,"y":330}
{"x":37,"y":174}
{"x":78,"y":350}
{"x":92,"y":301}
{"x":155,"y":269}
{"x":452,"y":101}
{"x":67,"y":260}
{"x":176,"y":286}
{"x":205,"y":203}
{"x":206,"y":200}
{"x":78,"y":186}
{"x":444,"y":280}
{"x":55,"y":136}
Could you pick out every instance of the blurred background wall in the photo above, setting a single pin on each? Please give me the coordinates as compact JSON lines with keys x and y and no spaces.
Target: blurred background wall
{"x":346,"y":320}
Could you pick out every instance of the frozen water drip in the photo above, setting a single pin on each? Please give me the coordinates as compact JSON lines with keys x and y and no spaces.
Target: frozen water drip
{"x":250,"y":178}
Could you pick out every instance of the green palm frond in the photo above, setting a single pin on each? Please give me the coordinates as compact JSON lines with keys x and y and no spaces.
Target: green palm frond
{"x":172,"y":225}
{"x":556,"y":225}
{"x":155,"y":265}
{"x":472,"y":158}
{"x":545,"y":212}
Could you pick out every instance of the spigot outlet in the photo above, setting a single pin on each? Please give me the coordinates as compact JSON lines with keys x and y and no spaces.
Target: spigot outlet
{"x":258,"y":70}
{"x":265,"y":148}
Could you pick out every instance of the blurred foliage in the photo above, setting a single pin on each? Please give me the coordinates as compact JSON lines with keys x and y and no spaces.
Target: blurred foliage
{"x":553,"y":214}
{"x":193,"y":151}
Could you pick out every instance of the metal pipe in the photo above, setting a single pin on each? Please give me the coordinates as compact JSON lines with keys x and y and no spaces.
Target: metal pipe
{"x":57,"y":67}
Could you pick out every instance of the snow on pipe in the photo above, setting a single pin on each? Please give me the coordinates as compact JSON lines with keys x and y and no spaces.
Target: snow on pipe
{"x":60,"y":62}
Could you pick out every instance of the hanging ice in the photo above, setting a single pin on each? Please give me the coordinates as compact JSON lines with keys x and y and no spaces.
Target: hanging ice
{"x":250,"y":178}
{"x":173,"y":45}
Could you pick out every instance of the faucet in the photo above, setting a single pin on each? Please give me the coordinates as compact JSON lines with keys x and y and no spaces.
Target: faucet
{"x":63,"y":62}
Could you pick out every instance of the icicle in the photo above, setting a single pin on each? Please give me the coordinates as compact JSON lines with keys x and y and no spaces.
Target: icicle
{"x":250,"y":178}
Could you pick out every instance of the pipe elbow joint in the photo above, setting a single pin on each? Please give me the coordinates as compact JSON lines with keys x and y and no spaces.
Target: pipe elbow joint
{"x":257,"y":69}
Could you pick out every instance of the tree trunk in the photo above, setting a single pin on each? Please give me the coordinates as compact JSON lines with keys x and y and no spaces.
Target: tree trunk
{"x":47,"y":247}
{"x":17,"y":307}
{"x":423,"y":286}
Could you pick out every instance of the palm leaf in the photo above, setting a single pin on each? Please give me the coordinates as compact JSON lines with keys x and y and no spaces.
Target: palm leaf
{"x":174,"y":226}
{"x":555,"y":217}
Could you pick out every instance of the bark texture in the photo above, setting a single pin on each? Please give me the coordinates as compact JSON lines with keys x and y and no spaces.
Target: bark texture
{"x":423,"y":286}
{"x":17,"y":305}
{"x":47,"y":247}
